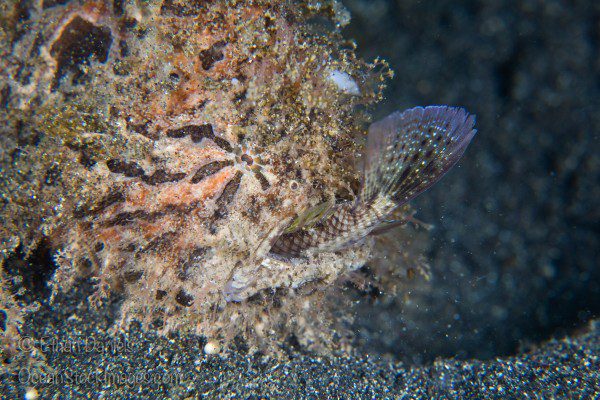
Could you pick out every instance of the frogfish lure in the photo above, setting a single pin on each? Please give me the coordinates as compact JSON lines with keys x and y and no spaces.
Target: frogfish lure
{"x":406,"y":153}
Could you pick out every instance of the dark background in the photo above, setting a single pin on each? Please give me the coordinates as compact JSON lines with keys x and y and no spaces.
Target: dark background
{"x":516,"y":244}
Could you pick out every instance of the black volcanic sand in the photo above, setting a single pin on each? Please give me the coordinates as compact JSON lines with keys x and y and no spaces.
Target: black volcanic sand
{"x":141,"y":365}
{"x":515,"y":250}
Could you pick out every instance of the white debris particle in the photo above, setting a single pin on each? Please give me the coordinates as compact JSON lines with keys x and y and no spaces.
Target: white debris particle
{"x":212,"y":347}
{"x":31,"y":394}
{"x":344,"y":82}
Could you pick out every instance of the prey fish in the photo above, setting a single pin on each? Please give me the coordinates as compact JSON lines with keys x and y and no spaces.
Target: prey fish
{"x":406,"y":153}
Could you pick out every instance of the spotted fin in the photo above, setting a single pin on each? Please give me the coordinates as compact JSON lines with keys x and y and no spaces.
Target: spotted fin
{"x":409,"y":151}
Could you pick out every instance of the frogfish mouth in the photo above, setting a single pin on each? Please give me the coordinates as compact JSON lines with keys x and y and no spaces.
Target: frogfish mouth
{"x":406,"y":153}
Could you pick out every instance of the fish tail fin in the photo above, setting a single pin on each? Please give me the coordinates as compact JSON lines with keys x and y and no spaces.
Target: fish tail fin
{"x":407,"y":152}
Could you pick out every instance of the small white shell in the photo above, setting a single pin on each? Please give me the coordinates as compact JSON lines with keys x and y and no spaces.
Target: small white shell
{"x":344,"y":82}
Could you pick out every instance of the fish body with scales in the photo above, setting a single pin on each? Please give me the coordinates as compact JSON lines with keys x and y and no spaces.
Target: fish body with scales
{"x":407,"y":153}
